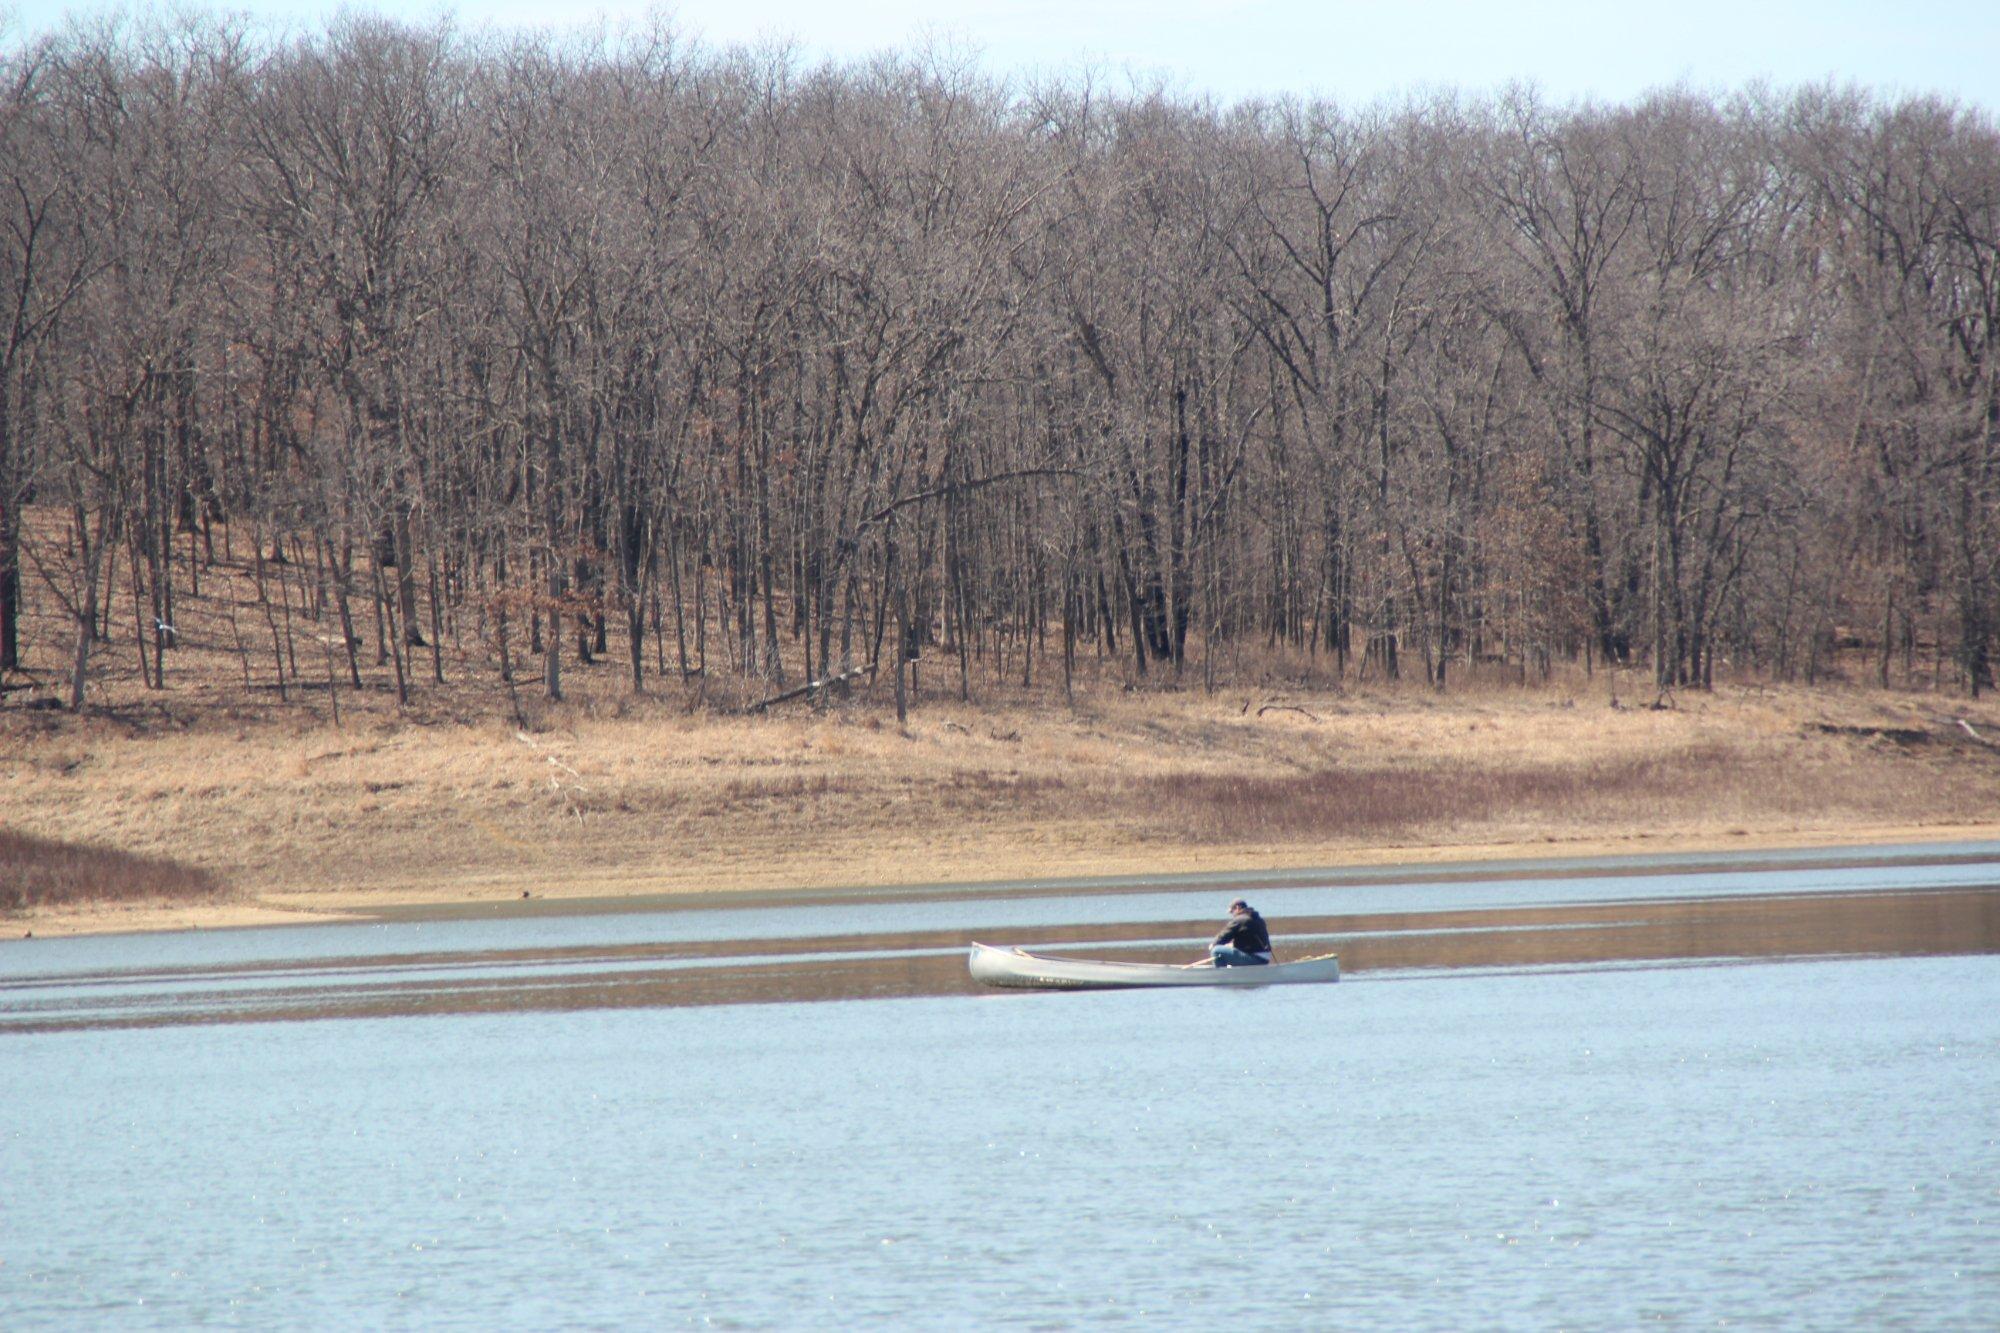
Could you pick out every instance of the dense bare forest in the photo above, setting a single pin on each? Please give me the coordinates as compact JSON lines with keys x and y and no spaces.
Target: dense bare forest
{"x":500,"y":354}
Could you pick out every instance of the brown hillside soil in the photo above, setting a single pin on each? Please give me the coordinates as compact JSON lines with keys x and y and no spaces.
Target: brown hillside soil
{"x":460,"y":797}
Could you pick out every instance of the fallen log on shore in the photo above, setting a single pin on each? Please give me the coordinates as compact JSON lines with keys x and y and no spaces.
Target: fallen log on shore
{"x":810,"y":686}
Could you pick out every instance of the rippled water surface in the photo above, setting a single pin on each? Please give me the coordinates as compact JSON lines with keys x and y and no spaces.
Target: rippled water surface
{"x":1659,"y":1126}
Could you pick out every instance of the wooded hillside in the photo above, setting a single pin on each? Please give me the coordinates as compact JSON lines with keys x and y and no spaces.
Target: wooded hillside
{"x":712,"y":362}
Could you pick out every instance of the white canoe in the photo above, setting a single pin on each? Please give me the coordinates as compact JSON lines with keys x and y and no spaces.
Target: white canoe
{"x":1038,"y":971}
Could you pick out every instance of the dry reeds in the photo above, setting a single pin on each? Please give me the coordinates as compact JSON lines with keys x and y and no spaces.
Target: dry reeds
{"x":41,"y":872}
{"x":1375,"y":801}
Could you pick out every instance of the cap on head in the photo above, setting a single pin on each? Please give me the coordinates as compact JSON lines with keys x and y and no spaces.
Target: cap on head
{"x":1239,"y":906}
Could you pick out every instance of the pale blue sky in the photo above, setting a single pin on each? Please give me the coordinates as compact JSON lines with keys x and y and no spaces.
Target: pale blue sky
{"x":1353,"y":50}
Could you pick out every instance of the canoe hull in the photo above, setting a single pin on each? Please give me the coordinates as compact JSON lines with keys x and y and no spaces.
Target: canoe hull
{"x":1018,"y":969}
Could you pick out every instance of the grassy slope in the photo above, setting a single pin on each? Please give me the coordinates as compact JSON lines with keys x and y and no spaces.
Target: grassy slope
{"x":658,"y":800}
{"x":40,"y":873}
{"x":452,"y":798}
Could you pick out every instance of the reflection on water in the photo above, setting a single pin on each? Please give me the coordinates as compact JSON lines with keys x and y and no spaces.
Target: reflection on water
{"x":709,"y":971}
{"x":1577,"y":1120}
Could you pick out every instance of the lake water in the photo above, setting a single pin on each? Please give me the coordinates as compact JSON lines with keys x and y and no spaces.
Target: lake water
{"x":1635,"y":1116}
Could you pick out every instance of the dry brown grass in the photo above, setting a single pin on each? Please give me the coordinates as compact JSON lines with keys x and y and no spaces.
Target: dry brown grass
{"x":41,"y":872}
{"x":1357,"y":802}
{"x":1687,"y":791}
{"x":301,"y":813}
{"x":453,"y":799}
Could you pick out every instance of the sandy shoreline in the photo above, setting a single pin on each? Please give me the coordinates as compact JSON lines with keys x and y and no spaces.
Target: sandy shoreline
{"x":604,"y":890}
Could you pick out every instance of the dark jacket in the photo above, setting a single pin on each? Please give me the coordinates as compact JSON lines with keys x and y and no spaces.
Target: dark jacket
{"x":1246,"y":930}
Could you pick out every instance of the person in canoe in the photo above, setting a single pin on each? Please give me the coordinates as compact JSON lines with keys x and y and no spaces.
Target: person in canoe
{"x":1245,"y":941}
